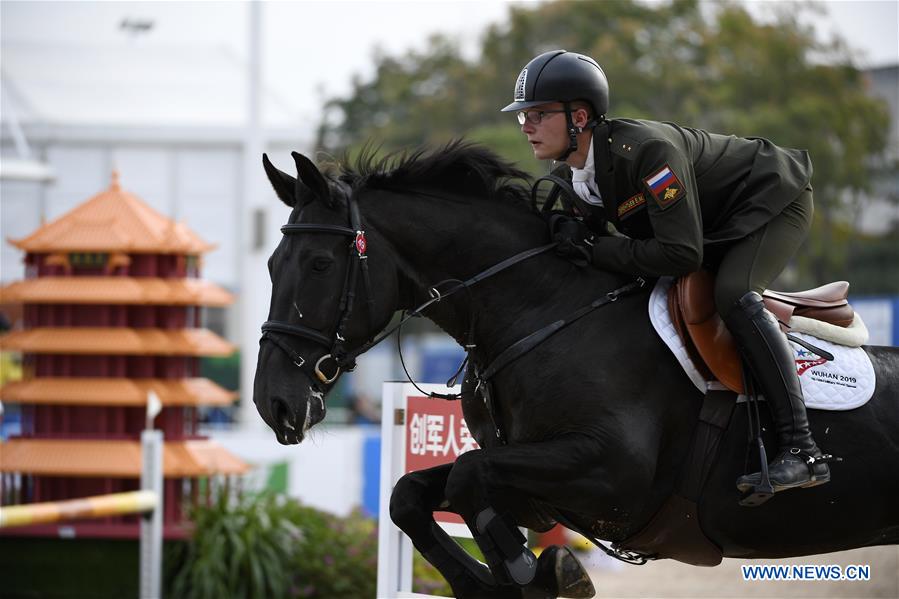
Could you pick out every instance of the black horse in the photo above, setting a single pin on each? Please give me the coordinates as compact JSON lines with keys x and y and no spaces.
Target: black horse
{"x":596,"y":420}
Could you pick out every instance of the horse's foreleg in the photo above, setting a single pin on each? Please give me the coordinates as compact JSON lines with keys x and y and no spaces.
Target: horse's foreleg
{"x":567,"y":473}
{"x":415,"y":497}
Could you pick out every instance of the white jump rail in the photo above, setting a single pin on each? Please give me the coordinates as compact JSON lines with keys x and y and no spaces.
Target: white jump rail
{"x":416,"y":433}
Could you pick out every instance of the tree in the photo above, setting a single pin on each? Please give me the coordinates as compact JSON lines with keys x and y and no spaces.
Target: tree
{"x":710,"y":67}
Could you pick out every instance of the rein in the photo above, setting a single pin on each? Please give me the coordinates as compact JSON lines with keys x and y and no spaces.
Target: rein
{"x":346,"y":360}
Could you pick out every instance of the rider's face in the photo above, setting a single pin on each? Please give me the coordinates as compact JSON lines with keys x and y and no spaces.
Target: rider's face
{"x":549,"y":138}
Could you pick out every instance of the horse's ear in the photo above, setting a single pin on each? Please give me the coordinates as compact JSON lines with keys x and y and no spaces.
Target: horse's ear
{"x":312,"y":177}
{"x":285,"y":185}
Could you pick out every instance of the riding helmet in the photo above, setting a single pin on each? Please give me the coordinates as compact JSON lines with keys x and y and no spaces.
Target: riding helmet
{"x":560,"y":76}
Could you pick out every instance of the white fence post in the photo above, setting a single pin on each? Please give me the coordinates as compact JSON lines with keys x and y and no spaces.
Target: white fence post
{"x":394,"y":547}
{"x":151,"y":523}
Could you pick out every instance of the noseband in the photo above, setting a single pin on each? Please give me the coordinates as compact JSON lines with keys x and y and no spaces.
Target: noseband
{"x":335,"y":343}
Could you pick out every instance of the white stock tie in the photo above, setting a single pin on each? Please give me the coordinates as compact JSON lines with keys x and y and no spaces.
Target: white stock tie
{"x":582,"y":179}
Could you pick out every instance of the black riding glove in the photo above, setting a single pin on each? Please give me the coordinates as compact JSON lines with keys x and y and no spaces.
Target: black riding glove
{"x":574,"y":239}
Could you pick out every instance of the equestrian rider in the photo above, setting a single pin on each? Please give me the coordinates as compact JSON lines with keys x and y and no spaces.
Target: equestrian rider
{"x":682,"y":198}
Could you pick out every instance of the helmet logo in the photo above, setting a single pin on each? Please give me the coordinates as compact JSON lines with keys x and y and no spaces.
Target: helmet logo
{"x":520,"y":85}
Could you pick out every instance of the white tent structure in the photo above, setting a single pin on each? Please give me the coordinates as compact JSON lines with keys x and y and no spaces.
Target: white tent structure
{"x":184,"y":126}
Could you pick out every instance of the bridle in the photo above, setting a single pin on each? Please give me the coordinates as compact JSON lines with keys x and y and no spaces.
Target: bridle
{"x":335,"y":342}
{"x":358,"y":263}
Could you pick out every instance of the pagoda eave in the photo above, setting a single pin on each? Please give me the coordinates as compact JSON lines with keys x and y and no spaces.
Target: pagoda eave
{"x":116,"y":290}
{"x":92,"y":391}
{"x":116,"y":459}
{"x":117,"y":341}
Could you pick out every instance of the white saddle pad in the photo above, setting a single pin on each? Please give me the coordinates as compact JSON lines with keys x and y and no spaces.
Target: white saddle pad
{"x":843,"y":384}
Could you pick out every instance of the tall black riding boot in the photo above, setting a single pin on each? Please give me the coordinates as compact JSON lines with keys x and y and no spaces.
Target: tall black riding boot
{"x":765,"y":349}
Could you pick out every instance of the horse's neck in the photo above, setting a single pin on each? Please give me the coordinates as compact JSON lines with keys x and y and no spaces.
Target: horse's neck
{"x":438,"y":240}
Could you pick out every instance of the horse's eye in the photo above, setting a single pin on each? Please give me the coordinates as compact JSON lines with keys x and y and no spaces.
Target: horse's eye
{"x":321,"y":264}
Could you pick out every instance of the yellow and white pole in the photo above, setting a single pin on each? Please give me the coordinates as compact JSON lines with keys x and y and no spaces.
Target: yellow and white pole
{"x":99,"y":506}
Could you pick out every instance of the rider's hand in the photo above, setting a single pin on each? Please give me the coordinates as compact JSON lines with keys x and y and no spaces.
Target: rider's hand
{"x":574,"y":239}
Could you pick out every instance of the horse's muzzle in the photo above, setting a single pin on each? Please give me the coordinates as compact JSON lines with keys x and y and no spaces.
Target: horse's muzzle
{"x":291,"y":419}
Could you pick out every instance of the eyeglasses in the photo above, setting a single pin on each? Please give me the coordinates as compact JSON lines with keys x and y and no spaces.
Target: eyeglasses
{"x":533,"y":116}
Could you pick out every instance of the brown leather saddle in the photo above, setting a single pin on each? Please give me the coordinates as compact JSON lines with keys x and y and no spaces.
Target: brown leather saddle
{"x":709,"y":344}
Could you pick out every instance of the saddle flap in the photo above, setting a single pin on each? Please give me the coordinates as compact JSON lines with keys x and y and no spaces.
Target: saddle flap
{"x":708,"y":340}
{"x":707,"y":332}
{"x":677,"y":321}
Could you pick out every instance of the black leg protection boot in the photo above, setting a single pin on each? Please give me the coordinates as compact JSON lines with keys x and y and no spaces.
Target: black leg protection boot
{"x":799,"y":462}
{"x":503,"y":547}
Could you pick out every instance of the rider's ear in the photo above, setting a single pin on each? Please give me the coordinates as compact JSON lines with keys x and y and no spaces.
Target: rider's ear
{"x":285,"y":185}
{"x":312,"y":177}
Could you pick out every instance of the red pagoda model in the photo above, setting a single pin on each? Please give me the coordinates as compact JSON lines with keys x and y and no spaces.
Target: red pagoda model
{"x":112,"y":304}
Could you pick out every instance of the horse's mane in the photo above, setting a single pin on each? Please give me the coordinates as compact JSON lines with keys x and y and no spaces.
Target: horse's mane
{"x":457,"y":168}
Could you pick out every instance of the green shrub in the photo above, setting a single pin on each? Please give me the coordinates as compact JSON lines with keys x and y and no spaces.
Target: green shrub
{"x":338,"y":556}
{"x":239,"y":549}
{"x":271,"y":546}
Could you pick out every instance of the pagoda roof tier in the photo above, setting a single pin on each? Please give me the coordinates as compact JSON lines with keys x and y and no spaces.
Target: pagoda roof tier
{"x":118,"y":459}
{"x":114,"y":221}
{"x":115,"y":290}
{"x":89,"y":391}
{"x":117,"y":341}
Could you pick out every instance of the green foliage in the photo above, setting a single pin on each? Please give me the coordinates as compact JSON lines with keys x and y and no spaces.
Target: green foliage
{"x":240,"y":549}
{"x":270,"y":546}
{"x":224,"y":371}
{"x":426,"y":579}
{"x":710,"y":66}
{"x":338,"y":556}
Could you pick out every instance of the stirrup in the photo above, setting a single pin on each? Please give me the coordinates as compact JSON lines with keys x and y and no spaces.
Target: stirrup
{"x":763,"y":491}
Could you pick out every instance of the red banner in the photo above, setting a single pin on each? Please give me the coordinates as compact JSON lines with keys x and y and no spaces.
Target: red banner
{"x":436,"y":433}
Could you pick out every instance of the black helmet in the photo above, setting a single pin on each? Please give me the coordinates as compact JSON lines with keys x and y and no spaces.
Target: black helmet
{"x":560,"y":76}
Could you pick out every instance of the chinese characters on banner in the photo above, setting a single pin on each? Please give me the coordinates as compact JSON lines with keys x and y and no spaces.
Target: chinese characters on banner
{"x":436,"y":433}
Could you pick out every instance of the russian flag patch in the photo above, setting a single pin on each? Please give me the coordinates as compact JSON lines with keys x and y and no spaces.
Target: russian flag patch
{"x":665,"y":187}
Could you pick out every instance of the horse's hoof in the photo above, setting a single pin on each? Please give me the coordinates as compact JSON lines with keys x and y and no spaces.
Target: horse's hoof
{"x":561,"y":573}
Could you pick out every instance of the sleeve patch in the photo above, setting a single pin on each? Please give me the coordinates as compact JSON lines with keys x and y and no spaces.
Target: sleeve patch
{"x":629,"y":205}
{"x":665,"y":187}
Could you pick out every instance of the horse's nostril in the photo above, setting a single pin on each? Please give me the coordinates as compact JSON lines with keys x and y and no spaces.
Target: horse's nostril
{"x":281,"y":414}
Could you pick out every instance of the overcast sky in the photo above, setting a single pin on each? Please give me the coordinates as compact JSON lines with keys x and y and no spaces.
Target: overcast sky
{"x":311,"y":49}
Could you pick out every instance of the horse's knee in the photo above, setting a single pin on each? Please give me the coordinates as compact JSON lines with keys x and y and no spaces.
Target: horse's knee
{"x":406,"y":502}
{"x":467,"y":483}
